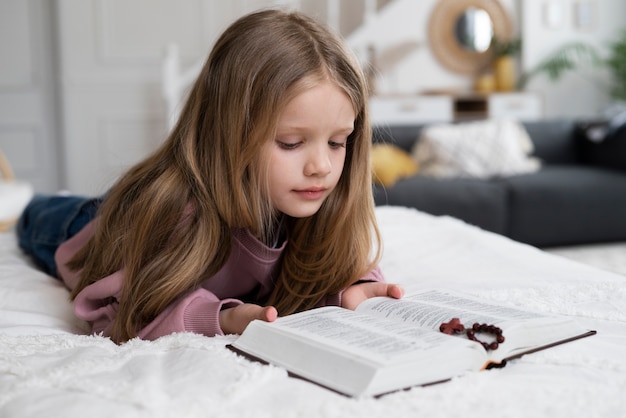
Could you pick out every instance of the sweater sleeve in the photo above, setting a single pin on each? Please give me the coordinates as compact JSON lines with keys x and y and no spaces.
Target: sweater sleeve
{"x":67,"y":250}
{"x":197,"y":312}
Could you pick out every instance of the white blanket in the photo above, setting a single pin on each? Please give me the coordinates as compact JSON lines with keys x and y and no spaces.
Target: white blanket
{"x":49,"y":368}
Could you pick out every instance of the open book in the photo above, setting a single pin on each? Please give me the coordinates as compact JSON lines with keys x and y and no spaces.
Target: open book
{"x":388,"y":344}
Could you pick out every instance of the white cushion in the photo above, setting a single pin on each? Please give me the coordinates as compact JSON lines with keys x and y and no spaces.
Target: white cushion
{"x":475,"y":149}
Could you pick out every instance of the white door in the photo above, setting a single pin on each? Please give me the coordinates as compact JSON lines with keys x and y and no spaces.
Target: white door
{"x":28,"y":107}
{"x":111,"y":52}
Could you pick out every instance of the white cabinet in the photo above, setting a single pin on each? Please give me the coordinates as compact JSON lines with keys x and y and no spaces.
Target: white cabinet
{"x":407,"y":110}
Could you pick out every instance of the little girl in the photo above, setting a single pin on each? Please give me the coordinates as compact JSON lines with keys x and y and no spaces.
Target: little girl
{"x":259,"y":203}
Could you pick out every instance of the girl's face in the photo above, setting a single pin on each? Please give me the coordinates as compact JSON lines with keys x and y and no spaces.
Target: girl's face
{"x":308,"y":153}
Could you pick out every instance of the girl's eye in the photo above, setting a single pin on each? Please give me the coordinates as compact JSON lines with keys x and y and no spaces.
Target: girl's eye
{"x":337,"y":144}
{"x":288,"y":145}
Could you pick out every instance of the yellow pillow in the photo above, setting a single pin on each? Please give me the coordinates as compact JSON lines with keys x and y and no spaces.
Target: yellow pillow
{"x":390,"y":163}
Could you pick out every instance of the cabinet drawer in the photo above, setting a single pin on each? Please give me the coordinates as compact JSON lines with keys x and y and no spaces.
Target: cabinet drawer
{"x":410,"y":110}
{"x":521,"y":106}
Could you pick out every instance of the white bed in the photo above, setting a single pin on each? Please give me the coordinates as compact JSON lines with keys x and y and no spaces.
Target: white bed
{"x":50,"y":367}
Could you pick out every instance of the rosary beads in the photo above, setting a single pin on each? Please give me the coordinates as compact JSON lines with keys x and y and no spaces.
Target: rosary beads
{"x":456,"y":327}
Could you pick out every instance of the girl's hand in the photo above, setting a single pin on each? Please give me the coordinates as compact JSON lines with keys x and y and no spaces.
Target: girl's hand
{"x":235,"y":320}
{"x":357,"y":293}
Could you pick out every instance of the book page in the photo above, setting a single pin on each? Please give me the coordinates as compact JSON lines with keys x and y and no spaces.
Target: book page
{"x":374,"y":335}
{"x":524,"y":331}
{"x":429,"y":309}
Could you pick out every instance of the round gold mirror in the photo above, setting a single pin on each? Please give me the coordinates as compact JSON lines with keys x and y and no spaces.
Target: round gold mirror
{"x":461,"y":31}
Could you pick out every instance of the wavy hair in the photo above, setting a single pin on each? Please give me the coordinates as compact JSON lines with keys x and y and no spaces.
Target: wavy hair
{"x":168,"y":221}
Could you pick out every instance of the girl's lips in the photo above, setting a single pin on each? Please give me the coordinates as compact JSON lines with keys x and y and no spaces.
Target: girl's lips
{"x":313,"y":193}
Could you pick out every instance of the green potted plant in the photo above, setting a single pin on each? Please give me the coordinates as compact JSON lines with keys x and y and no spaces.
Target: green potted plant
{"x":574,"y":55}
{"x":567,"y":57}
{"x":616,"y":63}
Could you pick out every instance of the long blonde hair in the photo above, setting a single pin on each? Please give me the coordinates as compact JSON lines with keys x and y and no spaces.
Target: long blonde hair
{"x":168,"y":221}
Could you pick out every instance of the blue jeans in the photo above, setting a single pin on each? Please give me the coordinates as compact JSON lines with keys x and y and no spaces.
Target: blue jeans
{"x":48,"y":221}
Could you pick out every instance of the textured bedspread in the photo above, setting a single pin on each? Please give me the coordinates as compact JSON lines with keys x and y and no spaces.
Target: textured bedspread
{"x":50,"y":368}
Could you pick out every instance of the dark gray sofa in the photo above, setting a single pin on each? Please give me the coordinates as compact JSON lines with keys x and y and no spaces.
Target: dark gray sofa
{"x":570,"y":200}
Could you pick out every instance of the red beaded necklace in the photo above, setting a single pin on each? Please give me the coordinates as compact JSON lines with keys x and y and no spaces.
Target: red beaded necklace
{"x":456,"y":327}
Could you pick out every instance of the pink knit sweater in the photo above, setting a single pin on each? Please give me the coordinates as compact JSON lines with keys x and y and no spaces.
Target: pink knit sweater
{"x":248,"y":275}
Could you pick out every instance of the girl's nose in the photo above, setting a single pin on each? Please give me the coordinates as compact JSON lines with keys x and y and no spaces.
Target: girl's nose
{"x":318,"y":163}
